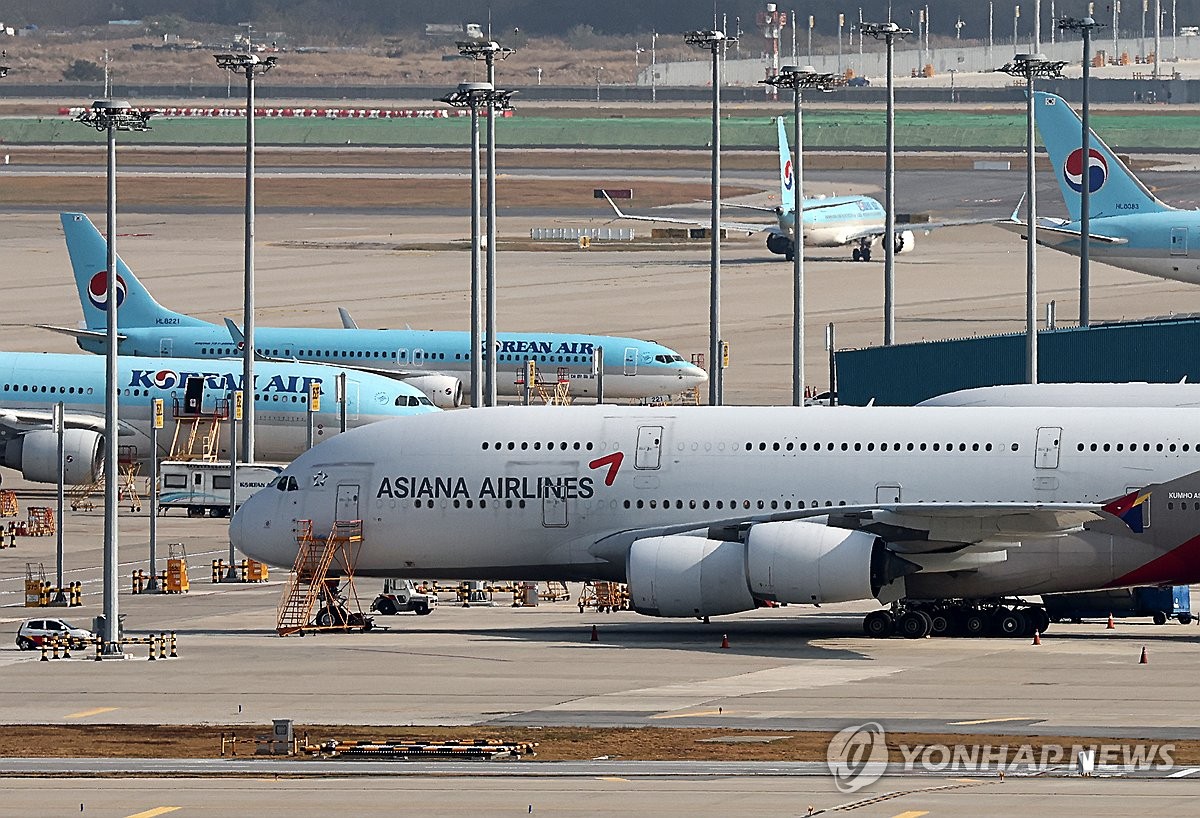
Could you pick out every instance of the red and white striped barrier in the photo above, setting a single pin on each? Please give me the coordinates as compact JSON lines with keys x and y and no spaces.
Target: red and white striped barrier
{"x":305,"y":113}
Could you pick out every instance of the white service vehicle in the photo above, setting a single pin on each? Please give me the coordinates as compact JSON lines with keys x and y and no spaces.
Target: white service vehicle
{"x":203,"y":485}
{"x":403,"y":595}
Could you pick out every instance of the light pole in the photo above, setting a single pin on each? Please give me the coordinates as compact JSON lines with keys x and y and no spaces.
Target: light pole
{"x":1085,"y":27}
{"x":888,"y":32}
{"x":475,"y":95}
{"x":715,"y":42}
{"x":111,"y":116}
{"x":599,"y":68}
{"x":841,"y":25}
{"x":798,"y":79}
{"x":251,"y":65}
{"x":489,"y":51}
{"x":1029,"y":67}
{"x":1016,"y":18}
{"x":654,"y":66}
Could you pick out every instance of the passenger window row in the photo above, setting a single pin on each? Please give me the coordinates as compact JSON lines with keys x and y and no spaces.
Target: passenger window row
{"x":54,"y":390}
{"x":871,"y":446}
{"x":537,"y":445}
{"x":1133,"y":447}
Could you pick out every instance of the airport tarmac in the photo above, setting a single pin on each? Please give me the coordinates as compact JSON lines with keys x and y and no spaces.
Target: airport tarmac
{"x":786,"y":669}
{"x":958,"y":282}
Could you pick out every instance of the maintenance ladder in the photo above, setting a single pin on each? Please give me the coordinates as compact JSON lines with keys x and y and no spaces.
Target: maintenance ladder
{"x":203,"y":431}
{"x":309,"y":579}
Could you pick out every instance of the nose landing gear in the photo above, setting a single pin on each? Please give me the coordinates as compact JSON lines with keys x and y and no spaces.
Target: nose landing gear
{"x":863,"y":251}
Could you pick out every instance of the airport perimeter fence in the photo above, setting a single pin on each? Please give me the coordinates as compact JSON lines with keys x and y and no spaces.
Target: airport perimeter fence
{"x":824,"y":129}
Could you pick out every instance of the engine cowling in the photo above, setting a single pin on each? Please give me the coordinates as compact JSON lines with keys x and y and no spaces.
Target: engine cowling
{"x":688,"y":576}
{"x":445,"y":391}
{"x":797,"y":561}
{"x":779,"y":244}
{"x":905,"y":241}
{"x":35,"y":454}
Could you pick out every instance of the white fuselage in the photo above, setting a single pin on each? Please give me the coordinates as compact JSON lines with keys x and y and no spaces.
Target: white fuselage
{"x":530,"y":494}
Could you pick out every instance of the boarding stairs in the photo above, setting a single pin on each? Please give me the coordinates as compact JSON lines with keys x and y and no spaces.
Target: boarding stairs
{"x":198,"y":434}
{"x":310,"y":581}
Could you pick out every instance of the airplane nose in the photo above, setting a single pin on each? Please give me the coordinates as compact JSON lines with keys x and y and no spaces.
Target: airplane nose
{"x":255,"y":531}
{"x":696,"y":374}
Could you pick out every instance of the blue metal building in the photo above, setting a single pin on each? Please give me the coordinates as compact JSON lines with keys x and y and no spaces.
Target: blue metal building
{"x":1156,"y":351}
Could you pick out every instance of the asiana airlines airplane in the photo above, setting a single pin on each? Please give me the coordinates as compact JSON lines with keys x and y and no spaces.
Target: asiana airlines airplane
{"x":945,"y":516}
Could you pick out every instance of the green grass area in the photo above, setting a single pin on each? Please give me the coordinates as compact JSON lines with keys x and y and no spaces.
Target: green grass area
{"x":822,"y":129}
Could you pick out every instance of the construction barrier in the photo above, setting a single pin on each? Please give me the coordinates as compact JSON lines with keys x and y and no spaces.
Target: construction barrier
{"x":485,"y":749}
{"x":8,"y":504}
{"x":247,"y":571}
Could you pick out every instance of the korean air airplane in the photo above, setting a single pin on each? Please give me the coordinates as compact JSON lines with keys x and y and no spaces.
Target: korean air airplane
{"x":943,"y":515}
{"x":435,"y":362}
{"x":829,"y":221}
{"x":31,"y":383}
{"x":1129,"y":227}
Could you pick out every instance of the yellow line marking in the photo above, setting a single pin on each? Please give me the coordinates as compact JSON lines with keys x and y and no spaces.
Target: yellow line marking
{"x":611,"y":778}
{"x":991,"y":721}
{"x":150,"y":813}
{"x":913,"y":814}
{"x":686,"y":715}
{"x":95,"y":711}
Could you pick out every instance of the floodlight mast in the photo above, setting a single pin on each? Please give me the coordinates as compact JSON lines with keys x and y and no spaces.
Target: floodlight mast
{"x":1029,"y":67}
{"x":715,"y":42}
{"x":489,"y":51}
{"x":1084,"y":26}
{"x":251,"y":66}
{"x":888,"y":32}
{"x":798,"y":79}
{"x":476,"y":95}
{"x":110,"y":116}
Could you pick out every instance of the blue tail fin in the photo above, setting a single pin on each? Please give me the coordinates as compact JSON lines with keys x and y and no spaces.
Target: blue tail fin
{"x":89,"y":258}
{"x":787,"y":181}
{"x":1114,"y":189}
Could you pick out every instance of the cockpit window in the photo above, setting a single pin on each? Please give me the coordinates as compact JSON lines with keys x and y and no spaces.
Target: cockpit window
{"x":424,"y":401}
{"x":668,"y":359}
{"x":277,"y":483}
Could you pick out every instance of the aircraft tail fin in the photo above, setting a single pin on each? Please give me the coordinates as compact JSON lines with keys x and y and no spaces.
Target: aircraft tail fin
{"x":89,"y":259}
{"x":1114,"y":190}
{"x":787,"y":182}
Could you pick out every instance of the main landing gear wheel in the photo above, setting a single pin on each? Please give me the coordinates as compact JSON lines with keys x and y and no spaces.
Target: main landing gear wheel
{"x":1011,"y":623}
{"x":879,"y":624}
{"x":915,"y":625}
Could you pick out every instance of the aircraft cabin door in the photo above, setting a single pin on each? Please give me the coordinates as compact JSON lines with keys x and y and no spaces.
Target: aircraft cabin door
{"x":418,"y":357}
{"x":1179,"y":241}
{"x":649,"y":447}
{"x":554,"y":507}
{"x":347,"y":502}
{"x":1046,"y":449}
{"x":166,"y":347}
{"x":887,"y":493}
{"x":631,"y":360}
{"x":351,"y":401}
{"x":402,"y":356}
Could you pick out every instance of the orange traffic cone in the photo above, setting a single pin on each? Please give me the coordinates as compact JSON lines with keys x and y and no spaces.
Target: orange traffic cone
{"x":1037,"y":638}
{"x":1145,"y":660}
{"x":595,"y":634}
{"x":725,"y":640}
{"x":1111,"y":626}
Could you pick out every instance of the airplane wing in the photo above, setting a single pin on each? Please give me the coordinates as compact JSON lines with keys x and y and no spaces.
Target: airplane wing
{"x":924,"y":227}
{"x":80,"y":333}
{"x":938,"y":536}
{"x":1022,"y":229}
{"x":16,"y":422}
{"x":742,"y":227}
{"x":347,"y":321}
{"x":394,"y":374}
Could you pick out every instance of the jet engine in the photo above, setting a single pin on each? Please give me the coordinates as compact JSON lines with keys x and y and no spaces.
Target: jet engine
{"x":905,"y":241}
{"x":445,"y":391}
{"x":778,"y":244}
{"x":35,"y":454}
{"x":793,"y":561}
{"x":688,"y":576}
